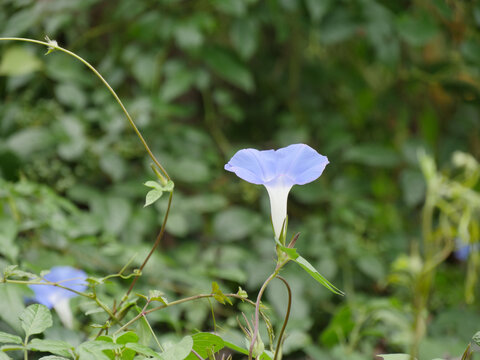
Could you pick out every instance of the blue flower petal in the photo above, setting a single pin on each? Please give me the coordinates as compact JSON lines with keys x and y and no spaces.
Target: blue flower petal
{"x":48,"y":295}
{"x":300,"y":163}
{"x":257,"y":167}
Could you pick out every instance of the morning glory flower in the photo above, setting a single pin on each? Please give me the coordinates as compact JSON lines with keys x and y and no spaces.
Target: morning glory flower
{"x":278,"y":170}
{"x":463,"y":250}
{"x":55,"y":297}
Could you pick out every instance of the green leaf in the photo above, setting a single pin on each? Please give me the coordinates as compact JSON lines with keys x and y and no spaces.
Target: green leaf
{"x":157,"y":295}
{"x":152,"y":196}
{"x":476,"y":338}
{"x":153,"y":185}
{"x":11,"y":298}
{"x":235,"y":223}
{"x":52,"y":357}
{"x":8,"y":234}
{"x":179,"y":351}
{"x":35,"y":319}
{"x":218,"y":294}
{"x":4,"y":356}
{"x":206,"y":344}
{"x":372,"y":155}
{"x":244,"y":36}
{"x":127,"y":337}
{"x":316,"y":275}
{"x":227,"y":67}
{"x":235,"y":347}
{"x":177,"y":84}
{"x":9,"y":338}
{"x":93,"y":350}
{"x":395,"y":356}
{"x":52,"y":346}
{"x":417,"y":30}
{"x":142,"y":349}
{"x":19,"y":61}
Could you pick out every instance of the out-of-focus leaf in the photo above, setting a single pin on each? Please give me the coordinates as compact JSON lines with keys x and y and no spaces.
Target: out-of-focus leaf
{"x":71,"y":95}
{"x":29,"y":141}
{"x":413,"y":187}
{"x":178,"y":351}
{"x":394,"y":356}
{"x":9,"y":338}
{"x":231,"y":7}
{"x":8,"y":234}
{"x":372,"y":155}
{"x":235,"y":223}
{"x":227,"y":67}
{"x":244,"y":35}
{"x":417,"y":30}
{"x":19,"y":61}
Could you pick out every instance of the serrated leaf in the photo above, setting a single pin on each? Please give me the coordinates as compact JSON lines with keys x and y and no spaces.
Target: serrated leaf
{"x":9,"y":338}
{"x":316,"y":275}
{"x":476,"y":338}
{"x":152,"y":196}
{"x":52,"y":346}
{"x":36,"y":319}
{"x":179,"y":351}
{"x":143,"y":350}
{"x":12,"y":270}
{"x":206,"y":344}
{"x":157,"y":295}
{"x":218,"y":294}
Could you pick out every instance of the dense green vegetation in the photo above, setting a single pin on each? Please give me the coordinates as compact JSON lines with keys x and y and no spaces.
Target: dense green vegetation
{"x":385,"y":89}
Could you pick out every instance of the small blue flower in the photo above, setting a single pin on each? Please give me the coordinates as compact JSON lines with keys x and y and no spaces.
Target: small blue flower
{"x":463,"y":250}
{"x":278,"y":170}
{"x":55,"y":297}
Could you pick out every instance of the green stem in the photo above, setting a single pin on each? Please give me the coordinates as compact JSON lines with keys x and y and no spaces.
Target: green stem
{"x":54,"y":46}
{"x":177,"y":302}
{"x":257,"y":306}
{"x":155,"y":245}
{"x":285,"y":321}
{"x":25,"y":351}
{"x":46,"y":282}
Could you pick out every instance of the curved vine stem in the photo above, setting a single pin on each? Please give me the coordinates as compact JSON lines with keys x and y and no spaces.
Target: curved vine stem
{"x":172,"y":303}
{"x":257,"y":306}
{"x":285,"y":321}
{"x":52,"y":45}
{"x":155,"y":245}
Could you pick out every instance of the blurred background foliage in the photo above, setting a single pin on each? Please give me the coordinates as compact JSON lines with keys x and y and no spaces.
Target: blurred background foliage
{"x":365,"y":82}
